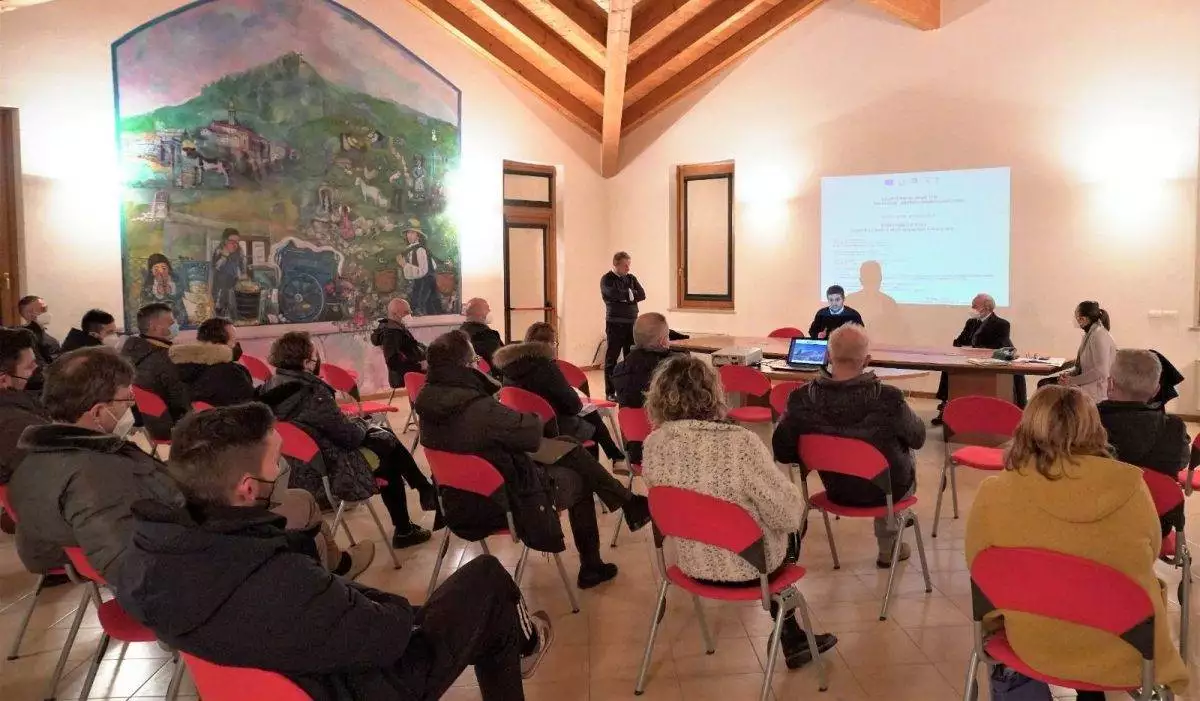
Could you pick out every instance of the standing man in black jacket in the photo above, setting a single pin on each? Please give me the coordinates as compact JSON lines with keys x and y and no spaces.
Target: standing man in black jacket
{"x":204,"y":575}
{"x":402,"y":352}
{"x":983,"y":330}
{"x":621,"y":292}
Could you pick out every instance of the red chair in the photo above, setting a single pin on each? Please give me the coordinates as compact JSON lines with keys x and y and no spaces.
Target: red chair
{"x":854,"y":458}
{"x":1169,"y":503}
{"x":786,"y":332}
{"x":298,"y":445}
{"x":483,"y":366}
{"x":259,"y":370}
{"x":1188,"y":478}
{"x":739,"y":379}
{"x":153,"y":409}
{"x":635,"y":428}
{"x":346,"y":382}
{"x":680,"y":513}
{"x":413,"y":382}
{"x":469,"y":473}
{"x":15,"y":650}
{"x":527,"y":402}
{"x":1060,"y":587}
{"x":780,"y":394}
{"x":577,"y":378}
{"x":974,"y":418}
{"x":219,"y":683}
{"x":201,"y":406}
{"x":116,"y":623}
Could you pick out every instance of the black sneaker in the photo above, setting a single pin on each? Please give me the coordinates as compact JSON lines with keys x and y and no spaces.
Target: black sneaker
{"x":637,"y":512}
{"x":414,"y":536}
{"x":801,"y":654}
{"x":594,"y":576}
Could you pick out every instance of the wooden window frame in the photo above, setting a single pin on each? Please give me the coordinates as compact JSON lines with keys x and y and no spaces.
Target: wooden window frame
{"x":536,"y":171}
{"x":10,"y":215}
{"x":683,"y":175}
{"x":534,"y":215}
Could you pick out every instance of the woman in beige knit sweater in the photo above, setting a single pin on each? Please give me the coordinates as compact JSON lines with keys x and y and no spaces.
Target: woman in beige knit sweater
{"x":694,"y":447}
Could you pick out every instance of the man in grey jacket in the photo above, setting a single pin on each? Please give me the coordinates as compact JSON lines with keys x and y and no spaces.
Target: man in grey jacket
{"x":80,"y":476}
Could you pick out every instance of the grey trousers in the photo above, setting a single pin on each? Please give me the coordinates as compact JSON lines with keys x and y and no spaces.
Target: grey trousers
{"x":886,"y":529}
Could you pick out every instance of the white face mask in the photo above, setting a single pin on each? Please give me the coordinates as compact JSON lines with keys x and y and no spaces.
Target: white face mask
{"x":43,"y":320}
{"x":124,"y":424}
{"x":488,"y":319}
{"x":112,"y":341}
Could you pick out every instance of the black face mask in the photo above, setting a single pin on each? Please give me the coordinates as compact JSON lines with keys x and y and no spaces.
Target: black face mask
{"x":237,"y":352}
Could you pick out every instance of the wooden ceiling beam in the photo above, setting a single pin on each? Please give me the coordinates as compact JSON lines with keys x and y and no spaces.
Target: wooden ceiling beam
{"x":922,"y":14}
{"x":620,"y":13}
{"x":767,"y":25}
{"x":581,"y":22}
{"x":542,"y":41}
{"x":655,"y":20}
{"x":700,"y":29}
{"x":499,"y":52}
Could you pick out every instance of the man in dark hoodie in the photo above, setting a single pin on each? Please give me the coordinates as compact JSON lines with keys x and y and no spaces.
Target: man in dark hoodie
{"x":97,"y":328}
{"x":209,"y":367}
{"x":621,"y":292}
{"x":402,"y":352}
{"x":149,"y":352}
{"x":1142,"y":434}
{"x":459,"y":414}
{"x":484,"y":339}
{"x":221,"y":579}
{"x":849,"y":401}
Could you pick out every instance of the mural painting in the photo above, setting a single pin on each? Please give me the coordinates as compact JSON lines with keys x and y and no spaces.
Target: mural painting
{"x":283,"y":162}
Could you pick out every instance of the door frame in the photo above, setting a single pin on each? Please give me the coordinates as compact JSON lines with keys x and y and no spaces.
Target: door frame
{"x":10,"y":215}
{"x":533,"y":215}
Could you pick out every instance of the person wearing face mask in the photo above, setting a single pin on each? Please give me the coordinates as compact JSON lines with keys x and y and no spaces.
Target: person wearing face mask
{"x":80,"y":475}
{"x":983,"y":329}
{"x":220,"y":579}
{"x":97,"y":328}
{"x":297,"y":394}
{"x":35,"y":316}
{"x":401,"y":350}
{"x":209,"y":367}
{"x":19,"y":409}
{"x":1097,"y":353}
{"x":484,"y":339}
{"x":149,"y":352}
{"x":828,"y":319}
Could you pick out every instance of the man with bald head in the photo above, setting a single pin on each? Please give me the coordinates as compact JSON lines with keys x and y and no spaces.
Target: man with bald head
{"x":983,"y":330}
{"x":401,"y":350}
{"x":849,"y":401}
{"x":484,"y":338}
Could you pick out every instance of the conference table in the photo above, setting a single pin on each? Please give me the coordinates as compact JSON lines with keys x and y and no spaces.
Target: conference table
{"x":970,"y":371}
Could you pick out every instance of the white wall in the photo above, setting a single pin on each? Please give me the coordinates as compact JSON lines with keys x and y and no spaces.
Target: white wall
{"x":1095,"y":105}
{"x":55,"y":67}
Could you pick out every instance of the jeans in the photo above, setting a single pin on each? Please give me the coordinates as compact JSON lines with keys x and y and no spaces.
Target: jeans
{"x":620,"y":340}
{"x":887,"y":529}
{"x":577,"y":477}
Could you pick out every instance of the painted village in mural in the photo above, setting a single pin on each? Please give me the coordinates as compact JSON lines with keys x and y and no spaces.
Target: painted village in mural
{"x":284,"y":162}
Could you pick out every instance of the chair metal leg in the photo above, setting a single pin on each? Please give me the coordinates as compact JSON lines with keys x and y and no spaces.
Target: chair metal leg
{"x":971,"y":683}
{"x":66,"y":651}
{"x":616,"y":532}
{"x":916,"y":526}
{"x":484,"y":546}
{"x":709,"y":646}
{"x":94,"y":667}
{"x":832,"y":546}
{"x":562,"y":572}
{"x":1185,"y":600}
{"x":387,"y":542}
{"x":954,"y":488}
{"x":943,"y":483}
{"x":176,"y":678}
{"x":822,"y":670}
{"x":437,"y":565}
{"x":520,"y":572}
{"x":660,"y":610}
{"x":339,"y":514}
{"x":895,"y":563}
{"x":773,"y":645}
{"x":14,"y":653}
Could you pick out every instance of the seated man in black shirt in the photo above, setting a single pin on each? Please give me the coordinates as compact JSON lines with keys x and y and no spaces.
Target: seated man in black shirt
{"x":221,"y":579}
{"x":401,"y":350}
{"x":983,"y":330}
{"x":828,"y":319}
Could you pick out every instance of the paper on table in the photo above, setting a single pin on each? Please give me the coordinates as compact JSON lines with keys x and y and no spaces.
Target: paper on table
{"x":1056,"y":362}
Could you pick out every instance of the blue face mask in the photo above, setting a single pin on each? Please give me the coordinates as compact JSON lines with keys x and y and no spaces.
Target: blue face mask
{"x":173,"y":331}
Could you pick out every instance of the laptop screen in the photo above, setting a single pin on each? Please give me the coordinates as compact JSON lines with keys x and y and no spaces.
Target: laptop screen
{"x":807,"y":351}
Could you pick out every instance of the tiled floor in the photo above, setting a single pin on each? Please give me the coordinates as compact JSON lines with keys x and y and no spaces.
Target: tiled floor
{"x":919,"y":654}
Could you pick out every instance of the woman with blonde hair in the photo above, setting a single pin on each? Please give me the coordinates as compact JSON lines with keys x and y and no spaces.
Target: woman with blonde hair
{"x":695,"y":447}
{"x":1061,"y":490}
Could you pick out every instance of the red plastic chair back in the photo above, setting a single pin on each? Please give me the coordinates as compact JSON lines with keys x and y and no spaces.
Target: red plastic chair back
{"x":339,"y":378}
{"x":413,"y":383}
{"x":634,"y":423}
{"x":149,"y":403}
{"x":80,"y":562}
{"x":1066,"y":588}
{"x":1164,"y":490}
{"x":1194,"y":460}
{"x":780,"y":394}
{"x":219,"y":683}
{"x":681,"y":513}
{"x":987,"y":415}
{"x":201,"y":406}
{"x":786,"y":332}
{"x":259,"y":370}
{"x":845,"y":456}
{"x":5,"y":504}
{"x":483,"y":366}
{"x":296,"y":443}
{"x":576,"y":377}
{"x":743,"y":380}
{"x":468,"y":473}
{"x":526,"y":402}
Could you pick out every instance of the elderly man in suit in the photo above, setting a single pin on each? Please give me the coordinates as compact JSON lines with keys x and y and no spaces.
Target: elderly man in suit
{"x":983,"y":330}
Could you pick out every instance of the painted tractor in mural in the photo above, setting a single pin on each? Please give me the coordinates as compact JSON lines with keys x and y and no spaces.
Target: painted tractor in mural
{"x":306,"y":273}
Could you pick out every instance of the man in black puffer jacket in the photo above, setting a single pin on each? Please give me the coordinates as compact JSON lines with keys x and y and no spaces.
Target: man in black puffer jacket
{"x":402,"y":352}
{"x":1142,"y":434}
{"x":851,"y":402}
{"x":149,"y":353}
{"x":209,"y":367}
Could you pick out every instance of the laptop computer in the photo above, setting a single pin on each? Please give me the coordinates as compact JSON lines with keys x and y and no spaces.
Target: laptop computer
{"x":807,"y":354}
